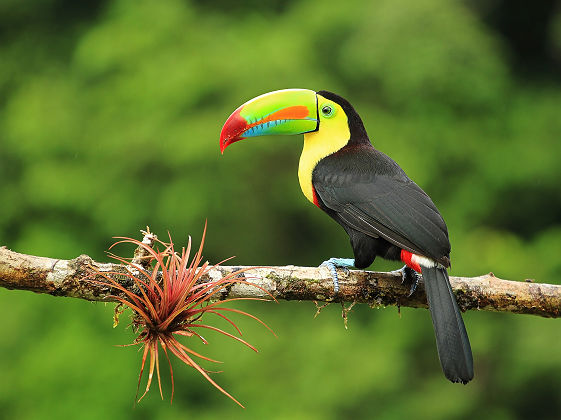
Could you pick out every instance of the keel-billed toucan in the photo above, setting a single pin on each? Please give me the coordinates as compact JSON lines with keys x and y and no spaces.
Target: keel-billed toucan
{"x":384,"y":213}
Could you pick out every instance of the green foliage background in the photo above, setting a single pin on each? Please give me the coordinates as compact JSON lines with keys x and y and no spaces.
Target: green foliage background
{"x":110,"y":114}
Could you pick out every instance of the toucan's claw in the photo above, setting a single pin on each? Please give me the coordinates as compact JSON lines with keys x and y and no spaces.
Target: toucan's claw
{"x":333,"y":264}
{"x":409,"y":276}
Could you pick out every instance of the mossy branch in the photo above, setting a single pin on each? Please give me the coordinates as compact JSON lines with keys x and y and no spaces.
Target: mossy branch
{"x":71,"y":278}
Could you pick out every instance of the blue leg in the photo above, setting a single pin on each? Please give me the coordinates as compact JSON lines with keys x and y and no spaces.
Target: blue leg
{"x":333,"y":264}
{"x":408,"y":275}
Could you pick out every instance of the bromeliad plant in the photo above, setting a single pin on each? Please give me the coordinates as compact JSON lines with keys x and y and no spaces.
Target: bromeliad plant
{"x":170,"y":297}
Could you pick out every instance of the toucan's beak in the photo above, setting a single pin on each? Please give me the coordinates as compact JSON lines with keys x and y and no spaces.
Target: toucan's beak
{"x":289,"y":111}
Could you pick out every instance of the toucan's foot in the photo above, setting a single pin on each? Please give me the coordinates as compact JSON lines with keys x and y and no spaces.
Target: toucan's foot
{"x":333,"y":264}
{"x":409,"y":276}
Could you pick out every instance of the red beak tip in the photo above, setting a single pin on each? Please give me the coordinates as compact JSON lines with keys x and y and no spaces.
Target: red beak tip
{"x":223,"y":144}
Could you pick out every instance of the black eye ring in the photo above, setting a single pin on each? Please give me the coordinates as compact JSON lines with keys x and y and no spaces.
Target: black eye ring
{"x":327,"y":111}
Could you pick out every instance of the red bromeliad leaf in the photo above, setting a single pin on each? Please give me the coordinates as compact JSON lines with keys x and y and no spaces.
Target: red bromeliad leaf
{"x":169,"y":300}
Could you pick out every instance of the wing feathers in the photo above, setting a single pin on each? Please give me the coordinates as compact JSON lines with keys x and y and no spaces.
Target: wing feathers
{"x":374,"y":196}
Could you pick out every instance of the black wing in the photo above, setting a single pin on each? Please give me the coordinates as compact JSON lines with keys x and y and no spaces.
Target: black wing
{"x":370,"y":193}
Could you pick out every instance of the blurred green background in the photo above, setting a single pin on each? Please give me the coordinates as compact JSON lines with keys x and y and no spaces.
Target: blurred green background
{"x":110,"y":113}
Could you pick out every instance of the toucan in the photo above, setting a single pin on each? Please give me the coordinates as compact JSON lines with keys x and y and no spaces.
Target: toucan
{"x":383,"y":211}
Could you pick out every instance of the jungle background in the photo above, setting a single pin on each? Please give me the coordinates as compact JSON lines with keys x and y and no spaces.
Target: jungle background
{"x":110,"y":114}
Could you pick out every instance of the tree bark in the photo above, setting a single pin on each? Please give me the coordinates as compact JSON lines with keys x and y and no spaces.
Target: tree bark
{"x":72,"y":278}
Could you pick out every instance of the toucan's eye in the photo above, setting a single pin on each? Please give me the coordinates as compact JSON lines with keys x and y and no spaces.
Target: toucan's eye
{"x":327,"y":111}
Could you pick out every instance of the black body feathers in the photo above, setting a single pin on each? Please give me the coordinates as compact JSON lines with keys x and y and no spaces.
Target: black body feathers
{"x":366,"y":191}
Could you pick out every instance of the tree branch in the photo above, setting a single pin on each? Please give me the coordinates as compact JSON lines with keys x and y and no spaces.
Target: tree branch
{"x":487,"y":292}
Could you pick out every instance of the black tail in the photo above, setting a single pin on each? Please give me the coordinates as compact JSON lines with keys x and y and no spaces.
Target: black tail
{"x":452,"y":341}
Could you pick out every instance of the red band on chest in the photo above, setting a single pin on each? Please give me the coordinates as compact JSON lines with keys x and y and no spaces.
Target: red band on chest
{"x":407,"y":258}
{"x":315,"y":196}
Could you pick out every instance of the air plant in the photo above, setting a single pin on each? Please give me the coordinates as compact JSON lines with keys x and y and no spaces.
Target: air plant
{"x":169,"y":299}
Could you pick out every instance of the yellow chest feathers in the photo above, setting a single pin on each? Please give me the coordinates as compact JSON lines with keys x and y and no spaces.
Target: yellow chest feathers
{"x":333,"y":134}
